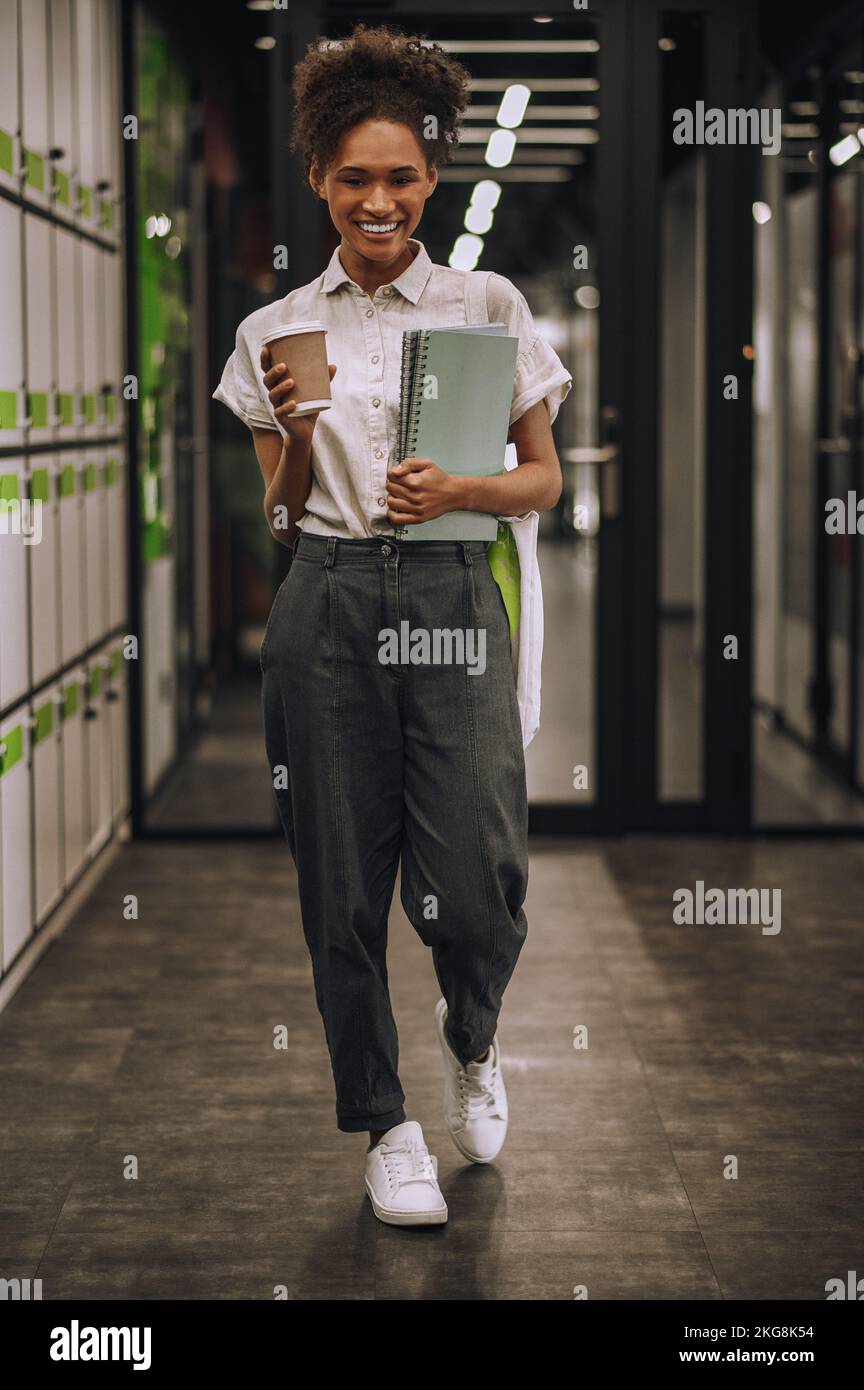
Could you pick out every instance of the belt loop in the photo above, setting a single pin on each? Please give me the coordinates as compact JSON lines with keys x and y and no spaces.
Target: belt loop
{"x":295,"y":542}
{"x":466,"y":553}
{"x":331,"y":551}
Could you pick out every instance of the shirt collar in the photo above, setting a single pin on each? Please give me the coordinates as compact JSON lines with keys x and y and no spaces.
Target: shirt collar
{"x":410,"y":284}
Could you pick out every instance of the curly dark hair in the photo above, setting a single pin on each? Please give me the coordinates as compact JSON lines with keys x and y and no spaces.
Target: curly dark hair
{"x":379,"y":72}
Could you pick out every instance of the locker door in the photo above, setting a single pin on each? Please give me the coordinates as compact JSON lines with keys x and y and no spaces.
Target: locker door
{"x":118,"y":704}
{"x":13,"y":582}
{"x":85,"y":51}
{"x":72,"y":594}
{"x":115,"y":340}
{"x":98,"y":752}
{"x":12,"y":407}
{"x":10,"y":156}
{"x":68,"y":338}
{"x":112,"y":161}
{"x":95,"y":546}
{"x":15,"y":836}
{"x":91,"y":321}
{"x":47,"y":751}
{"x":38,"y":237}
{"x":75,"y":794}
{"x":34,"y":102}
{"x":115,"y":528}
{"x":64,"y":134}
{"x":45,"y":571}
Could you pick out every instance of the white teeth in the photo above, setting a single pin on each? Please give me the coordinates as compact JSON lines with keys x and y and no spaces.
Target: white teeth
{"x":378,"y":226}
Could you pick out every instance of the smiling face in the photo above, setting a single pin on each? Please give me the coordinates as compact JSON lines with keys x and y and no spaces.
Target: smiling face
{"x":379,"y":178}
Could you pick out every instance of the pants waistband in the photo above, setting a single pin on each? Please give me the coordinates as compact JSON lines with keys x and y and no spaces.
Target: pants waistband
{"x":331,"y":550}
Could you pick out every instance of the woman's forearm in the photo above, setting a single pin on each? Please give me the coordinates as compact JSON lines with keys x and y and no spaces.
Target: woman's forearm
{"x":286,"y":496}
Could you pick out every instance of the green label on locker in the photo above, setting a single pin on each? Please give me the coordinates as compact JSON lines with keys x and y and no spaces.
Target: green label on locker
{"x":70,"y":700}
{"x":116,"y":658}
{"x":8,"y":487}
{"x":14,"y":741}
{"x":35,"y":169}
{"x":110,"y":472}
{"x":67,"y":480}
{"x":110,"y":408}
{"x":66,"y":407}
{"x":37,"y":409}
{"x":106,"y":213}
{"x":85,"y":199}
{"x":44,"y":722}
{"x":8,"y":410}
{"x":7,"y":152}
{"x":88,"y":406}
{"x":90,"y":478}
{"x":95,"y":684}
{"x":62,"y":188}
{"x":40,"y":485}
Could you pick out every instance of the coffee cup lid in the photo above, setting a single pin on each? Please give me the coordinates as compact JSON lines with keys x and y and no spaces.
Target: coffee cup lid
{"x":286,"y":329}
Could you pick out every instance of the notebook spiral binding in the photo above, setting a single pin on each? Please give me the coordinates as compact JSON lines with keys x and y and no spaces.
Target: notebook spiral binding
{"x":415,"y":348}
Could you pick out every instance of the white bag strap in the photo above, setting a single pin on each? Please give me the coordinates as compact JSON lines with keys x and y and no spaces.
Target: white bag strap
{"x":476,"y":308}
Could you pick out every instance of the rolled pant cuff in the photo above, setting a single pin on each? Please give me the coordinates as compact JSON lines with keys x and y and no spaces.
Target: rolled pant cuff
{"x":383,"y":1119}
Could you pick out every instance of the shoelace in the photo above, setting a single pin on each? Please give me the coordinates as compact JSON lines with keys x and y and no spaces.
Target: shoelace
{"x":477,"y":1097}
{"x":417,"y":1160}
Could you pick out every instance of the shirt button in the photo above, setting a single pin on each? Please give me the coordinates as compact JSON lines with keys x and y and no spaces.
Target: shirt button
{"x":375,"y":358}
{"x":369,"y":313}
{"x":379,"y":453}
{"x":382,"y":501}
{"x":386,"y":290}
{"x":377,"y":400}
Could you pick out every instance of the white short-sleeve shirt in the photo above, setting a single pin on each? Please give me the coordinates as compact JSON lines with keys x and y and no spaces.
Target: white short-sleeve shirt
{"x":355,"y":442}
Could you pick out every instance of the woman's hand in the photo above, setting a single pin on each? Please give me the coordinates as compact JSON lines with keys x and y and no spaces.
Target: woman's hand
{"x":418,"y":490}
{"x":279,"y":387}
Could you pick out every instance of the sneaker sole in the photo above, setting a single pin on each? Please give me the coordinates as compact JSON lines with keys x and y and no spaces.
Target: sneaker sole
{"x":406,"y":1218}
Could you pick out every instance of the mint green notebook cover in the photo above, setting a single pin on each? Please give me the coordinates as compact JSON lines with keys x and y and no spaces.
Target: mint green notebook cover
{"x":464,"y":428}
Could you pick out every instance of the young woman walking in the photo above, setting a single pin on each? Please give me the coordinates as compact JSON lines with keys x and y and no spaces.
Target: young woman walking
{"x":381,"y":762}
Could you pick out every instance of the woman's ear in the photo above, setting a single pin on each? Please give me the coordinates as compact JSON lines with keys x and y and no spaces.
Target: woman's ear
{"x":315,"y":181}
{"x":432,"y":176}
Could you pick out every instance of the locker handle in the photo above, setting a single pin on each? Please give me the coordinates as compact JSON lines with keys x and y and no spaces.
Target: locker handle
{"x":91,"y":713}
{"x":111,"y":695}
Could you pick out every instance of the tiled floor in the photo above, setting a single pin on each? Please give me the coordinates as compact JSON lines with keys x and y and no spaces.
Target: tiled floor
{"x":149,"y":1043}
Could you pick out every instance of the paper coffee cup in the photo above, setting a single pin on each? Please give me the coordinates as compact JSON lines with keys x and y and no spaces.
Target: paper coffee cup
{"x":302,"y":347}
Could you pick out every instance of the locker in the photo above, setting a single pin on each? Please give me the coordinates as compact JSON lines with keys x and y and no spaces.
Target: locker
{"x":158,"y":673}
{"x":44,"y":561}
{"x":86,"y":64}
{"x":38,"y":238}
{"x":47,"y":753}
{"x":12,"y":405}
{"x":10,"y":151}
{"x":111,"y":149}
{"x":68,"y":338}
{"x":72,"y":592}
{"x":91,"y":317}
{"x":114,"y":339}
{"x":115,"y":530}
{"x":95,"y":549}
{"x":98,"y":753}
{"x":15,"y":835}
{"x":118,"y":704}
{"x":75,"y":790}
{"x":13,"y":581}
{"x":36,"y":166}
{"x":64,"y":135}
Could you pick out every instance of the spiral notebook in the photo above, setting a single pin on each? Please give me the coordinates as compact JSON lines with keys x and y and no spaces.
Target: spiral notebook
{"x":457,"y":390}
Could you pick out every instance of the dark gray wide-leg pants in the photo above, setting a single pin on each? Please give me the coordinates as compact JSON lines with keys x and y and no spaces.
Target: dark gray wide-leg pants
{"x":372,"y":760}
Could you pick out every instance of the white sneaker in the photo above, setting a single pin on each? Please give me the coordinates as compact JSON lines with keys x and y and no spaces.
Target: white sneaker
{"x":402,"y":1179}
{"x":475,"y":1101}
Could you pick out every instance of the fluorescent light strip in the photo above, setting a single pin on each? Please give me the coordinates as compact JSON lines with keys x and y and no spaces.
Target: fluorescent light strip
{"x":554,"y":135}
{"x":538,"y":113}
{"x":516,"y":45}
{"x":529,"y":156}
{"x":537,"y":84}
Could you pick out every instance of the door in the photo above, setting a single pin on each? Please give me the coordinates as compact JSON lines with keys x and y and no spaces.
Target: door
{"x":666,"y":475}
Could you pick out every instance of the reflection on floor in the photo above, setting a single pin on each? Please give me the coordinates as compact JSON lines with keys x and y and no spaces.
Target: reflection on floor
{"x":224,"y":779}
{"x":704,"y":1044}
